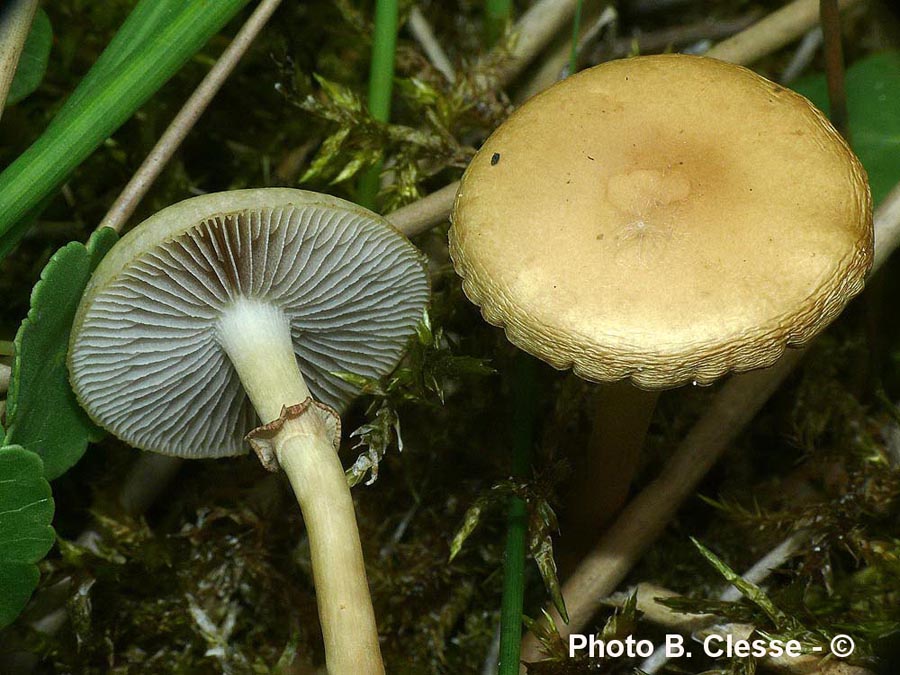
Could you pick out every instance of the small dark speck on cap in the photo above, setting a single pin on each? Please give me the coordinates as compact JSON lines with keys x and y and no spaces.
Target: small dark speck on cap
{"x":495,"y":159}
{"x":590,"y":158}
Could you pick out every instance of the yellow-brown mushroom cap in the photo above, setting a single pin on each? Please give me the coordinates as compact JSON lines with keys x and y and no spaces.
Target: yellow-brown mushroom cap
{"x":664,"y":218}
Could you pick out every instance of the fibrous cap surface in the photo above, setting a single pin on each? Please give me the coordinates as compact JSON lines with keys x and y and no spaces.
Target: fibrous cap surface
{"x":664,"y":218}
{"x":144,"y":358}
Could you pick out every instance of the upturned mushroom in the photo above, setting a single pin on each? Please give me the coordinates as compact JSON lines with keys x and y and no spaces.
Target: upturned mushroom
{"x":228,"y":316}
{"x":657,"y":221}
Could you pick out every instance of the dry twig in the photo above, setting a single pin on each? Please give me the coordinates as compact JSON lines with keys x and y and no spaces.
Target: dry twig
{"x":533,"y":32}
{"x":184,"y":121}
{"x":772,"y":33}
{"x":421,"y":31}
{"x":15,"y":24}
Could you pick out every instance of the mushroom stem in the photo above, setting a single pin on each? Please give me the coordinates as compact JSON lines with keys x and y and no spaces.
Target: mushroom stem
{"x":345,"y":607}
{"x":256,"y":336}
{"x":621,"y":420}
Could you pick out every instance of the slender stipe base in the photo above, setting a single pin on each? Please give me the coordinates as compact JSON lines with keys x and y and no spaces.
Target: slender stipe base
{"x":257,"y":338}
{"x":308,"y":458}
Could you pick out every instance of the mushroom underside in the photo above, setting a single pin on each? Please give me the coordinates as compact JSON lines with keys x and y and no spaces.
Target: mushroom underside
{"x":147,"y":363}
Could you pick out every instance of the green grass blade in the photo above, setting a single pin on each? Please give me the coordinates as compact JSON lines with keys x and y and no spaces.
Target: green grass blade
{"x":381,"y":85}
{"x":125,"y":82}
{"x":524,"y":405}
{"x":147,"y":18}
{"x":576,"y":29}
{"x":496,"y":16}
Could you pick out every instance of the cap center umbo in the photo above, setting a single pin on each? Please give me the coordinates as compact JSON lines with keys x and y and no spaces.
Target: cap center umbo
{"x":645,"y":198}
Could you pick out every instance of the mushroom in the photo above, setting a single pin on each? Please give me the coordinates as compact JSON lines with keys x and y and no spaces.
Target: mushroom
{"x":657,"y":221}
{"x":231,"y":309}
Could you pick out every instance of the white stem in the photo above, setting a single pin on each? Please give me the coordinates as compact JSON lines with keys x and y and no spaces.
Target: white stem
{"x":342,"y":592}
{"x":803,"y":56}
{"x":763,"y":567}
{"x":257,"y":339}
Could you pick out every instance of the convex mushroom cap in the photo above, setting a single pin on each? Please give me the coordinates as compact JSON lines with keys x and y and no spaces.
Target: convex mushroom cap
{"x":146,"y":355}
{"x":664,"y":218}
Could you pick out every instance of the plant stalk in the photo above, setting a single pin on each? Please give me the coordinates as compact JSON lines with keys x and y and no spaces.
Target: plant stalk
{"x":186,"y":118}
{"x":421,"y":30}
{"x":381,"y":84}
{"x":523,"y":414}
{"x":4,"y":378}
{"x":773,"y":32}
{"x":830,"y":18}
{"x":576,"y":30}
{"x":15,"y":24}
{"x":496,"y":16}
{"x":534,"y":31}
